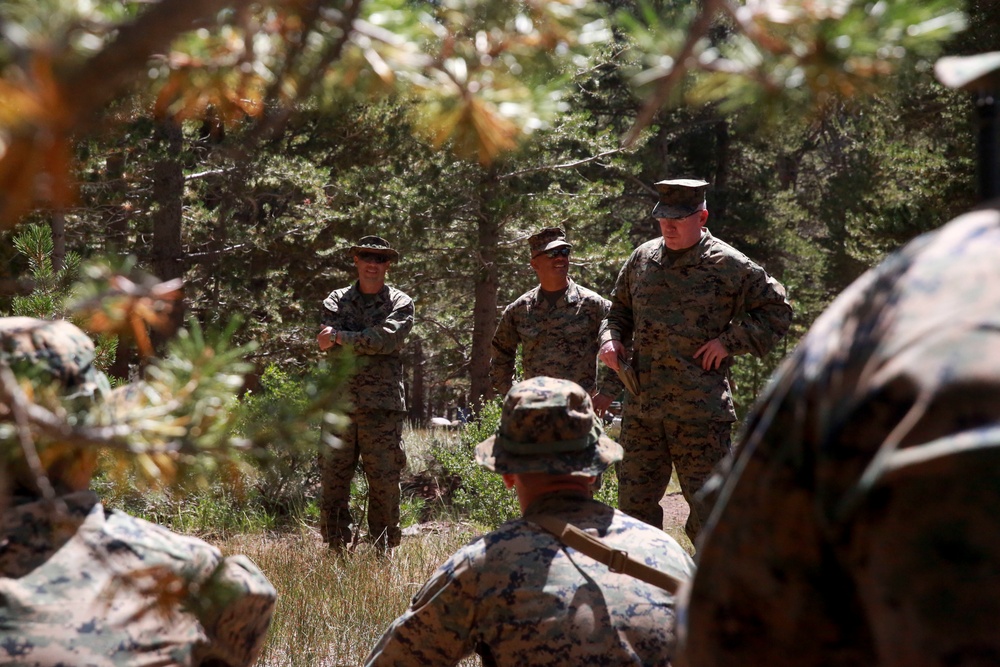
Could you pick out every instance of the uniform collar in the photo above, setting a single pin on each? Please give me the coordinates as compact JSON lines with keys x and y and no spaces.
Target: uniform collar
{"x":571,"y":295}
{"x":356,"y":293}
{"x":691,"y":257}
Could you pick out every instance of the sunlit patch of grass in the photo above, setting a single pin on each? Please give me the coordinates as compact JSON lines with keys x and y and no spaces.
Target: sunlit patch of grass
{"x":333,"y":608}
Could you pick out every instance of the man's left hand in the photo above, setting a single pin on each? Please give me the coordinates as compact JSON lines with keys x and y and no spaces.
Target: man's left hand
{"x":712,"y":353}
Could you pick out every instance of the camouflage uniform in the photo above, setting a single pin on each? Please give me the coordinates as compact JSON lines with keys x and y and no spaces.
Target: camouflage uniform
{"x":518,"y":595}
{"x":375,"y":328}
{"x":861,"y":522}
{"x":669,"y":308}
{"x":70,"y":591}
{"x":558,"y":340}
{"x":73,"y":573}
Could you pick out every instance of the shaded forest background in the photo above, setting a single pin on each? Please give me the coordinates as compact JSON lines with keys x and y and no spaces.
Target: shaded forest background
{"x":257,"y":224}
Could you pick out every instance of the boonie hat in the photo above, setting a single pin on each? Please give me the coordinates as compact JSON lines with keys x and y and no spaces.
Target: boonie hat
{"x":548,"y":425}
{"x":375,"y":244}
{"x":679,"y":197}
{"x":57,"y":349}
{"x":547,"y":239}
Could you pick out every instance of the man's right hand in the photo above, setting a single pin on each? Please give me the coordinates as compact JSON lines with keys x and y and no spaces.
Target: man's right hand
{"x":324,"y":338}
{"x":610,"y":352}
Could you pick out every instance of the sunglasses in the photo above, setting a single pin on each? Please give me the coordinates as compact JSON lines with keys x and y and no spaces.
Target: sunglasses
{"x":373,"y":257}
{"x":561,"y":251}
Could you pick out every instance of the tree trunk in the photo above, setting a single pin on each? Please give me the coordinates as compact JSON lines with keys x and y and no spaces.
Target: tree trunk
{"x":58,"y":224}
{"x":118,"y":213}
{"x":484,"y":314}
{"x":168,"y":198}
{"x":418,"y":393}
{"x":116,"y":240}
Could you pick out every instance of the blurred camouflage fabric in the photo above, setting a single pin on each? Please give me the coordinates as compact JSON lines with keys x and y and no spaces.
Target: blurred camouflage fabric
{"x":82,"y":585}
{"x":861,"y":522}
{"x":58,"y":350}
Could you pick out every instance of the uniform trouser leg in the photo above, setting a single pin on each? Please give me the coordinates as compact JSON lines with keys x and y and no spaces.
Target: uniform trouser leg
{"x":645,"y":469}
{"x":653,"y":447}
{"x":336,"y":465}
{"x":376,"y":437}
{"x":696,"y":449}
{"x":380,"y":441}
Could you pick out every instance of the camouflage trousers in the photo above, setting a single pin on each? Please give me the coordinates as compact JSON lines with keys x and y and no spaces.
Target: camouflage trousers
{"x":376,"y":438}
{"x":653,"y":446}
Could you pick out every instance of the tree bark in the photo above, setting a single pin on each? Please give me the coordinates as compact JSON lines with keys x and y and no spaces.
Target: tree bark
{"x":485,"y":310}
{"x":58,"y":225}
{"x":168,"y":197}
{"x":418,"y":393}
{"x":118,"y":216}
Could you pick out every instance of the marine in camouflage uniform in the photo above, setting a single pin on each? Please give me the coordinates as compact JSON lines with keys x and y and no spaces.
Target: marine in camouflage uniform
{"x":689,"y":303}
{"x":517,"y":595}
{"x":371,"y":320}
{"x":73,"y":573}
{"x":556,"y":324}
{"x":861,"y":522}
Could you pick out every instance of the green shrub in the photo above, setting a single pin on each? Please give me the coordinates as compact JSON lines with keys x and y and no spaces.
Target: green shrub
{"x":287,"y":475}
{"x":226,"y":507}
{"x":481,"y":495}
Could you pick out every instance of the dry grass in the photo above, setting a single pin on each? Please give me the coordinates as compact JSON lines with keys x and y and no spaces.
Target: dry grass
{"x":332,"y":609}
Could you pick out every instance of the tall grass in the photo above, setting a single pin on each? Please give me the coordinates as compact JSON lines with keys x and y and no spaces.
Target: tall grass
{"x":332,"y":609}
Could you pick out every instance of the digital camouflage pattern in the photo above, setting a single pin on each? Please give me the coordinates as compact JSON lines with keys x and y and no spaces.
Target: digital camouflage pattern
{"x":670,"y":310}
{"x":77,"y":582}
{"x":670,"y":307}
{"x":376,"y":438}
{"x":375,"y":328}
{"x":548,"y":425}
{"x":655,"y":447}
{"x":521,"y":597}
{"x":860,"y":524}
{"x":56,"y":348}
{"x":547,"y":239}
{"x":557,"y":340}
{"x":75,"y":587}
{"x":679,"y":197}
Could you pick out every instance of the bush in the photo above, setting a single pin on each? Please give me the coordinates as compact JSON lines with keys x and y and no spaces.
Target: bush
{"x":481,"y":495}
{"x":287,"y":477}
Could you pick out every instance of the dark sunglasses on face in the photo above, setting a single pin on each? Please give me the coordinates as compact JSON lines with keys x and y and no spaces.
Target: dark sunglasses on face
{"x":372,"y":257}
{"x":561,"y":251}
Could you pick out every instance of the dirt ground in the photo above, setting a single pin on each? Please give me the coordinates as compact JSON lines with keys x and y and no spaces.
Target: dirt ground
{"x":675,"y":510}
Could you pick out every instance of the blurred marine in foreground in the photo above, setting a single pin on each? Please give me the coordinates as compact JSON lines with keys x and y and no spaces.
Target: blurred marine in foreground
{"x":861,"y":522}
{"x":81,"y":585}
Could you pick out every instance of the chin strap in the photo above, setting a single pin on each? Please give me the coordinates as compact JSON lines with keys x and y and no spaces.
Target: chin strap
{"x":616,"y":560}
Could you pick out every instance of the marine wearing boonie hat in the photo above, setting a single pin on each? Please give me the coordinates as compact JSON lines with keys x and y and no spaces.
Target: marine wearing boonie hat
{"x":679,"y":197}
{"x":56,"y":348}
{"x":548,"y":425}
{"x":547,"y":239}
{"x":375,"y":244}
